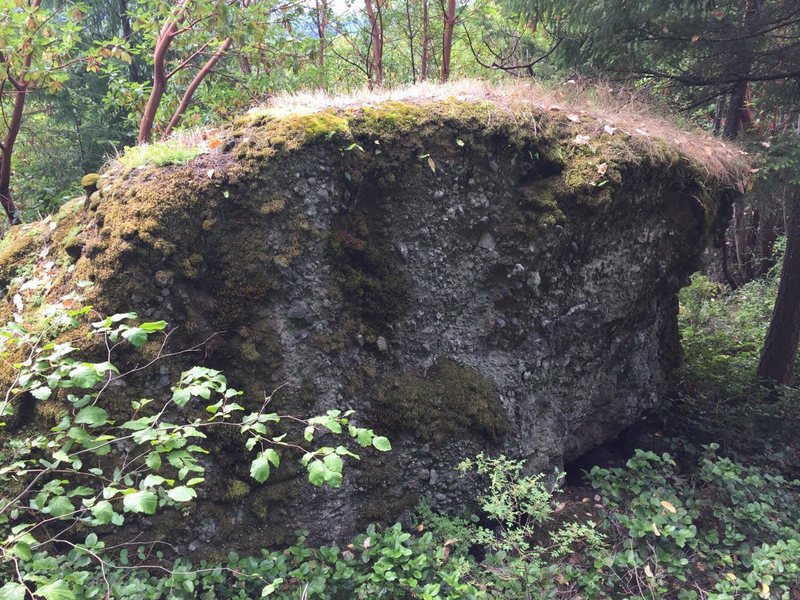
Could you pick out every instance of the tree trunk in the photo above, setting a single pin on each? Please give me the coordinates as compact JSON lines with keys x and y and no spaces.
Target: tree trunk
{"x":447,"y":38}
{"x":322,"y":26}
{"x":7,"y":149}
{"x":376,"y":68}
{"x":5,"y":161}
{"x":725,"y":272}
{"x":423,"y":68}
{"x":740,"y":242}
{"x":159,"y":82}
{"x":127,"y":33}
{"x":766,"y":242}
{"x":196,"y":81}
{"x":411,"y":42}
{"x":780,"y":347}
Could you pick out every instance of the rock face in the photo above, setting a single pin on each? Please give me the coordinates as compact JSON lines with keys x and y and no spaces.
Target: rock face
{"x":466,"y":275}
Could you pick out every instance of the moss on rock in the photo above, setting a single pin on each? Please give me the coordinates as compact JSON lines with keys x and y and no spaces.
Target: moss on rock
{"x":448,"y":399}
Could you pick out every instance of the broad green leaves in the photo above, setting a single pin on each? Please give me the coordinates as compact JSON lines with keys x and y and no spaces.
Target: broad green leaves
{"x":140,"y":502}
{"x":260,"y":467}
{"x":152,"y":451}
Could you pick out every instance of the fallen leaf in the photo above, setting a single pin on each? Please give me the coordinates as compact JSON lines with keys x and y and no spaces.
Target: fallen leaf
{"x":210,"y":173}
{"x":648,"y":571}
{"x":730,"y":576}
{"x":668,"y":506}
{"x":554,"y":107}
{"x":432,"y":164}
{"x":581,"y":139}
{"x":601,"y":170}
{"x":560,"y":507}
{"x":695,"y":38}
{"x":656,"y":531}
{"x":609,"y":129}
{"x":764,"y":590}
{"x":642,"y":132}
{"x":420,"y":527}
{"x":367,"y":543}
{"x":586,"y":500}
{"x":574,"y":118}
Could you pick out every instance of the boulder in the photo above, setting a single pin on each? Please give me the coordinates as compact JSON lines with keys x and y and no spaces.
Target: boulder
{"x":468,"y":274}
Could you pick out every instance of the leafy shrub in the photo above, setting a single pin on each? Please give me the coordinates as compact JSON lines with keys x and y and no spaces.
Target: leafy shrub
{"x":90,"y":471}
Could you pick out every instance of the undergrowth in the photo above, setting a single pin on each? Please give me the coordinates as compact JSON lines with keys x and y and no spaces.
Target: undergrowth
{"x":716,"y":517}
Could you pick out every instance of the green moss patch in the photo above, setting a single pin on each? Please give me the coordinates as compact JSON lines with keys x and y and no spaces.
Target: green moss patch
{"x":449,"y":399}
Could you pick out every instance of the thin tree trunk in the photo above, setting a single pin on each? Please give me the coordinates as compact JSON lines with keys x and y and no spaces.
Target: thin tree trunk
{"x":740,"y":241}
{"x":719,"y":111}
{"x":127,"y":33}
{"x":7,"y":149}
{"x":447,"y":38}
{"x":780,"y":347}
{"x":159,"y":82}
{"x":376,"y":68}
{"x":411,"y":42}
{"x":423,"y":68}
{"x":322,"y":26}
{"x":766,"y":242}
{"x":725,"y":271}
{"x":196,"y":81}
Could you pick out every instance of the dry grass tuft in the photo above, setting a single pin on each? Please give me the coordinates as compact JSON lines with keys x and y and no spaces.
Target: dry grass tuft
{"x":592,"y":110}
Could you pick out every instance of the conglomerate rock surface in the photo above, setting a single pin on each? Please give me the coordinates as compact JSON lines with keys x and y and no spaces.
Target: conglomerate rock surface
{"x":466,"y":275}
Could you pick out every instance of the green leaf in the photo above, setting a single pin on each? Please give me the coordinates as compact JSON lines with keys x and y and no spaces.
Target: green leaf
{"x":122,"y":317}
{"x":273,"y":456}
{"x":140,"y":502}
{"x":381,"y":443}
{"x":316,"y":472}
{"x":333,"y":463}
{"x":259,"y":468}
{"x":93,"y":416}
{"x":271,"y":587}
{"x":103,"y":512}
{"x":365,"y":437}
{"x":60,"y":506}
{"x":58,"y":590}
{"x":22,"y":550}
{"x":84,"y":376}
{"x":13,"y":591}
{"x":41,"y":393}
{"x":182,"y":493}
{"x":136,"y":336}
{"x":181,"y":397}
{"x":151,"y":327}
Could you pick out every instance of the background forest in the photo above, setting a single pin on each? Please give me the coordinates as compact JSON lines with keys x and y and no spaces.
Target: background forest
{"x":709,"y":508}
